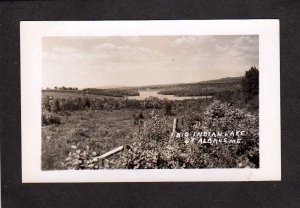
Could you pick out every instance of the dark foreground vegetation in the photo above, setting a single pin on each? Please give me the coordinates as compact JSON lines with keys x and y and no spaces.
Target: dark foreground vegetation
{"x":78,"y":128}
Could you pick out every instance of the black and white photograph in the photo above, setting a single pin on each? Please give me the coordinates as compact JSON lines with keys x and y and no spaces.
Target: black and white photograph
{"x":151,"y":101}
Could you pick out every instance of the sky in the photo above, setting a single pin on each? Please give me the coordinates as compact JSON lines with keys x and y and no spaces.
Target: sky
{"x":145,"y":60}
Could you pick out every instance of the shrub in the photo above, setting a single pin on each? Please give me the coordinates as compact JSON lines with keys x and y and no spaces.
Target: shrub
{"x":82,"y":159}
{"x":46,"y":104}
{"x":156,"y":129}
{"x":253,"y":104}
{"x":138,"y":119}
{"x":50,"y":118}
{"x":168,"y":109}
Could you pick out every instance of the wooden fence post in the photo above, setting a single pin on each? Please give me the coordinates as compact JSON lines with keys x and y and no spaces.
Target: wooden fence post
{"x":174,"y":128}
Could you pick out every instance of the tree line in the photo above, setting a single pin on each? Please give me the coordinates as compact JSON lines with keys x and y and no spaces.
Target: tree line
{"x":247,"y":95}
{"x":62,"y":88}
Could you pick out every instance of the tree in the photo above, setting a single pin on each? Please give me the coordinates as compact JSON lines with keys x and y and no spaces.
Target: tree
{"x":250,"y":84}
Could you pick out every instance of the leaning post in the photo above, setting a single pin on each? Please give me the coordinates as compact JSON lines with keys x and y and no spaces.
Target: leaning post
{"x":174,"y":128}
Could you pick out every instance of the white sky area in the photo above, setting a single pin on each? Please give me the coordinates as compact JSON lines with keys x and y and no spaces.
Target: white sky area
{"x":144,"y":60}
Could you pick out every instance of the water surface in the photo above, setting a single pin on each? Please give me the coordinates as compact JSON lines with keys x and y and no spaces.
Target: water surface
{"x":154,"y":93}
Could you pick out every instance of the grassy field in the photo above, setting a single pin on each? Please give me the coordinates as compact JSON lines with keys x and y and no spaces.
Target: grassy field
{"x":101,"y":130}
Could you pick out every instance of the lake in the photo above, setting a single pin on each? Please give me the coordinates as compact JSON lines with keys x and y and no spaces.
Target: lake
{"x":154,"y":93}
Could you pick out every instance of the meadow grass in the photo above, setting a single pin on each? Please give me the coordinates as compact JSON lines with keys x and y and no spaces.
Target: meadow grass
{"x":104,"y":129}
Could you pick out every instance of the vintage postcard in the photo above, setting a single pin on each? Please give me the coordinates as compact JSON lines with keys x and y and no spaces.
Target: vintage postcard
{"x":126,"y":101}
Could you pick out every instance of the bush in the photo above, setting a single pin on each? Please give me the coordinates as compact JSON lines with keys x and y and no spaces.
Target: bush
{"x":156,"y":129}
{"x":50,"y":118}
{"x":253,"y":104}
{"x":169,"y":109}
{"x":46,"y":104}
{"x":55,"y":105}
{"x":138,"y":119}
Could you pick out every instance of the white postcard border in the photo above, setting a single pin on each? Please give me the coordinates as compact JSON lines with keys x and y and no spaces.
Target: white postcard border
{"x":269,"y":97}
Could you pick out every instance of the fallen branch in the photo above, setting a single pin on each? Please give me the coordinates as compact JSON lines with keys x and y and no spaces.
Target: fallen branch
{"x":114,"y":151}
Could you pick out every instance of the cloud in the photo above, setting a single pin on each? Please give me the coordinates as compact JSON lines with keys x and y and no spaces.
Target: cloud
{"x":125,"y":54}
{"x":106,"y":47}
{"x":166,"y":59}
{"x":221,"y":49}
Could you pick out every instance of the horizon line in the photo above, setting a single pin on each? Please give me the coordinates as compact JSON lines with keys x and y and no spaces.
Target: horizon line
{"x":150,"y":85}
